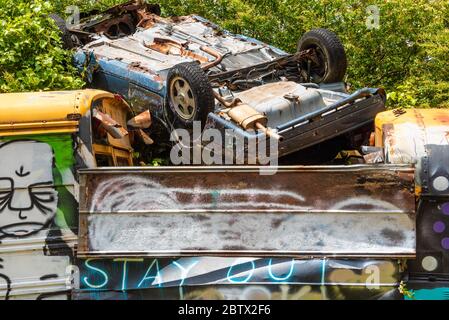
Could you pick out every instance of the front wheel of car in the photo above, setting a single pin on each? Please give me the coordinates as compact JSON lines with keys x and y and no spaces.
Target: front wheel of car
{"x":189,"y":93}
{"x":328,"y":63}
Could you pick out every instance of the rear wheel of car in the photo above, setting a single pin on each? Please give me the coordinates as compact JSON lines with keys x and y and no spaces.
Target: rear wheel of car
{"x":190,"y":95}
{"x":66,"y":36}
{"x":330,"y":64}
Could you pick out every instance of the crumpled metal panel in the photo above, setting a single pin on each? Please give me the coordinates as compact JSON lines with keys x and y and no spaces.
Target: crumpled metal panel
{"x":183,"y":37}
{"x":364,"y":211}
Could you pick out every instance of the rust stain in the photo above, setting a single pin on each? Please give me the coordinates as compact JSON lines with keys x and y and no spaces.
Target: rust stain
{"x":168,"y":46}
{"x":441,"y":116}
{"x":256,"y":191}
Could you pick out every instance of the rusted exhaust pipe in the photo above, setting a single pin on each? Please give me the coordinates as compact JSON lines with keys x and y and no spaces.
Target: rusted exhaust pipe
{"x":217,"y":55}
{"x":230,"y":104}
{"x":249,"y":118}
{"x":269,"y":132}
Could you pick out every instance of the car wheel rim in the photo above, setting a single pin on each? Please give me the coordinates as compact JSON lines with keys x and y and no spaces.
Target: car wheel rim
{"x":182,"y":99}
{"x":319,"y":70}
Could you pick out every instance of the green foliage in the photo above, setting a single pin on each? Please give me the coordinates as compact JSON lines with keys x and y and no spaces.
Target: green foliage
{"x":410,"y":294}
{"x":62,"y":7}
{"x":31,"y":57}
{"x":407,"y":54}
{"x":157,"y":162}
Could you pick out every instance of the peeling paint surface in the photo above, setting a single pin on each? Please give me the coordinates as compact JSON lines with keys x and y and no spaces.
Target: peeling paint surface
{"x":406,"y":134}
{"x":362,"y":212}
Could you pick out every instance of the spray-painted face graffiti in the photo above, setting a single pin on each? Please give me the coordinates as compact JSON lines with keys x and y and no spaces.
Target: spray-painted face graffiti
{"x":28,"y":200}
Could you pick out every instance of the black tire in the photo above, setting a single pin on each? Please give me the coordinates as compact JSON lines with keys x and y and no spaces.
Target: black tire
{"x":154,"y":8}
{"x":200,"y":92}
{"x":331,"y":55}
{"x":66,"y":36}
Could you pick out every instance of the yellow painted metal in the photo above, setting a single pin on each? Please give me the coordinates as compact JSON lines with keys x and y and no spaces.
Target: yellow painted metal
{"x":425,"y":118}
{"x":45,"y":112}
{"x":117,"y":157}
{"x":7,"y":130}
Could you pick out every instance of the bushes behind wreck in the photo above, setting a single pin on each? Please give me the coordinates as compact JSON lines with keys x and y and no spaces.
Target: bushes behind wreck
{"x":31,"y":57}
{"x":406,"y":52}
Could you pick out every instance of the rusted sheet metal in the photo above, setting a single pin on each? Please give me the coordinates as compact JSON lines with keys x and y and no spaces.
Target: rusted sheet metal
{"x":160,"y":43}
{"x":405,"y":133}
{"x":110,"y":125}
{"x":300,"y":211}
{"x":136,"y":62}
{"x":420,"y":137}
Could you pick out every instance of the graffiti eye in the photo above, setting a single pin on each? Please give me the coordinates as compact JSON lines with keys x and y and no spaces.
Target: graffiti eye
{"x":43,"y":196}
{"x":5,"y":194}
{"x":6,"y":187}
{"x":40,"y":193}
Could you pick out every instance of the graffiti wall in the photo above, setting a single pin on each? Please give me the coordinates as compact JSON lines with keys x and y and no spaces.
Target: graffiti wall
{"x":38,"y":216}
{"x":237,"y":278}
{"x":134,"y":222}
{"x":39,"y":228}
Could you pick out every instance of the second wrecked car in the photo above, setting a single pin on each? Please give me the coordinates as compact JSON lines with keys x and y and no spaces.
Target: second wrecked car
{"x":186,"y":69}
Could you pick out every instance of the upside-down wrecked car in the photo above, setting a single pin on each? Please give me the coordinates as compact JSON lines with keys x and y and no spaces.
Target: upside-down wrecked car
{"x":185,"y":69}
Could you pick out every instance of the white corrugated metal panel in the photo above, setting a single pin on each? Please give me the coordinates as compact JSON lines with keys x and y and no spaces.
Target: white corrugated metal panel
{"x":32,"y":268}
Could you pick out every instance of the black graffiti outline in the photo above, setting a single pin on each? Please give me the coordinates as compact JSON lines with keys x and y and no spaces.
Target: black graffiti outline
{"x":36,"y":201}
{"x":35,"y":197}
{"x":8,"y":281}
{"x":5,"y":195}
{"x":21,"y":173}
{"x":46,"y":295}
{"x":65,"y":250}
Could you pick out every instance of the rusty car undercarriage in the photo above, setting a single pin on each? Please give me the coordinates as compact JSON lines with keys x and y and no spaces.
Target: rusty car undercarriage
{"x":187,"y":70}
